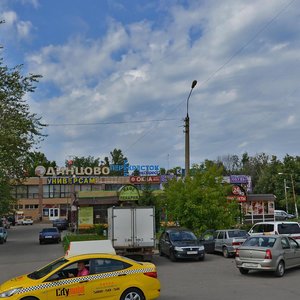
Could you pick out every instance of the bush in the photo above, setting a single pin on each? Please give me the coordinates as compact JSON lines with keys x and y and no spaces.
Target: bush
{"x":80,"y":237}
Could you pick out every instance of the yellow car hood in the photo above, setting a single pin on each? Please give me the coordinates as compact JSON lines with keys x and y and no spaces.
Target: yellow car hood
{"x":17,"y":282}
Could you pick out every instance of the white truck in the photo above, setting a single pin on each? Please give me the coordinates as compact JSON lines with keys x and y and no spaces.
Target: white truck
{"x":132,"y":231}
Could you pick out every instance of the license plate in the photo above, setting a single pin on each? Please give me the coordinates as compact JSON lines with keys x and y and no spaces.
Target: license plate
{"x":192,"y":252}
{"x":250,"y":265}
{"x":48,"y":236}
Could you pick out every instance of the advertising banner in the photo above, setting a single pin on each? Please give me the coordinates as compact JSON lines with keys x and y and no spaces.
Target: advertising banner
{"x":85,"y":216}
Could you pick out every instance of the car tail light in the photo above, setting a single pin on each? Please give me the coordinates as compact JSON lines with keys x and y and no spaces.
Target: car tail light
{"x":151,"y":274}
{"x":236,"y":243}
{"x":268,"y":254}
{"x":237,"y":253}
{"x":296,"y":237}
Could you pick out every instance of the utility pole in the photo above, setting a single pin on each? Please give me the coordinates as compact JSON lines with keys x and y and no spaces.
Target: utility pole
{"x":294,"y":196}
{"x":285,"y":195}
{"x":187,"y":132}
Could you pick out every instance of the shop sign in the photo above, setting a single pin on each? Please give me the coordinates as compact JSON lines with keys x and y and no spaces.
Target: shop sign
{"x":165,"y":178}
{"x":85,"y":216}
{"x":129,"y":193}
{"x":238,"y":198}
{"x":144,"y":179}
{"x":70,"y":171}
{"x":238,"y":179}
{"x":129,"y":169}
{"x":71,"y":180}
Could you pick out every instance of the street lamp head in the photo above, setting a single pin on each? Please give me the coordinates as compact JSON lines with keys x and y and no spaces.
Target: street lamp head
{"x":194,"y":83}
{"x":280,"y":173}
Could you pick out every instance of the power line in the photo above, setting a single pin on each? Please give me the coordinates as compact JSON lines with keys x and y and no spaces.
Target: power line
{"x":109,"y":123}
{"x":235,"y":54}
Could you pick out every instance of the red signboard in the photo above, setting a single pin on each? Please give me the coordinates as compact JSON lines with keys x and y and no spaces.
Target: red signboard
{"x":238,"y":198}
{"x":144,"y":179}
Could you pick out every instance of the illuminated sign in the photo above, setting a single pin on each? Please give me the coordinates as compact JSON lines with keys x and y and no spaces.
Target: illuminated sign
{"x":146,"y":170}
{"x":129,"y":193}
{"x":144,"y":179}
{"x":67,"y":171}
{"x":71,"y":180}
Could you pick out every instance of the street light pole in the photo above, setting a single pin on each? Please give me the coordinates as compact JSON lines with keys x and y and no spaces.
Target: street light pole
{"x":294,"y":196}
{"x":285,"y":195}
{"x":187,"y":132}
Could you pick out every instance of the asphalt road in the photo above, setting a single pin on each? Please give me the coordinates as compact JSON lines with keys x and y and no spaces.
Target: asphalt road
{"x":215,"y":278}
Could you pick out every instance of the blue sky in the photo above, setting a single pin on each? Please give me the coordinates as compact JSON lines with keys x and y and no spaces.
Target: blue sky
{"x":105,"y":61}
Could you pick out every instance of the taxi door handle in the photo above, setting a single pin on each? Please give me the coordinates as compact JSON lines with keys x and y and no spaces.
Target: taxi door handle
{"x":83,"y":281}
{"x":122,"y":274}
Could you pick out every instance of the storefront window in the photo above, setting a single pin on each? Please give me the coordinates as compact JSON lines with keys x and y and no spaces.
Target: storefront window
{"x":45,"y":212}
{"x":33,"y":191}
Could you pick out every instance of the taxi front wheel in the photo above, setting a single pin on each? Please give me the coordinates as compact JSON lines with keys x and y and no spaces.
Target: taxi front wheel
{"x":133,"y":294}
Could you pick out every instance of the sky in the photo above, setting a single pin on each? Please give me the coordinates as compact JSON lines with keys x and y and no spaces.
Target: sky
{"x":117,"y":74}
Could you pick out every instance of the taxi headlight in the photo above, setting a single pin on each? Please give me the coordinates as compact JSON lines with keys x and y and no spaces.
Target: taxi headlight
{"x":179,"y":249}
{"x":9,"y":293}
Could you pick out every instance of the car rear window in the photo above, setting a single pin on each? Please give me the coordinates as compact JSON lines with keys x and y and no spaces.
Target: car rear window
{"x":237,"y":233}
{"x":260,"y":242}
{"x":288,"y":228}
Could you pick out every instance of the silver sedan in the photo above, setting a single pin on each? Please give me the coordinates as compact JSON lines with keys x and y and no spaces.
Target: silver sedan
{"x":268,"y":253}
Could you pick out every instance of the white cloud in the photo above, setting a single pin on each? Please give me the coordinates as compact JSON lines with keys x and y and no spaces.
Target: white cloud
{"x":136,"y":71}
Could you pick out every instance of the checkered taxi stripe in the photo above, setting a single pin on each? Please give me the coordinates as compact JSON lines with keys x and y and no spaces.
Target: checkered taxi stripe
{"x":80,"y":279}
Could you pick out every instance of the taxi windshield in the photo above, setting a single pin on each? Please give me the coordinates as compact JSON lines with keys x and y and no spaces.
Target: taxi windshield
{"x":47,"y":269}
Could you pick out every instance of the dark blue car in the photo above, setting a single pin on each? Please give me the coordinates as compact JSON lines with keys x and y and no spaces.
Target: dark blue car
{"x":48,"y":235}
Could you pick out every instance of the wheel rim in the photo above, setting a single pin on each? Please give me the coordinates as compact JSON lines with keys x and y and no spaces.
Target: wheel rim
{"x":281,"y":269}
{"x":132,"y":296}
{"x":225,"y":252}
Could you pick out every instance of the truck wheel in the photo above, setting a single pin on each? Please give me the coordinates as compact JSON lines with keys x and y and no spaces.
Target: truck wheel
{"x":132,"y":293}
{"x":280,"y":269}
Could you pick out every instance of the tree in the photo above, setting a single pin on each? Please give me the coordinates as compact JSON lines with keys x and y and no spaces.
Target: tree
{"x":199,"y":202}
{"x":37,"y":159}
{"x":84,"y":162}
{"x":116,"y":158}
{"x":20,"y":130}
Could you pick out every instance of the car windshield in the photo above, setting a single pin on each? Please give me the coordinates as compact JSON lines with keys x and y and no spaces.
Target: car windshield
{"x":182,"y":236}
{"x":260,"y":242}
{"x":49,"y":230}
{"x":237,"y":233}
{"x":286,"y":228}
{"x":47,"y":269}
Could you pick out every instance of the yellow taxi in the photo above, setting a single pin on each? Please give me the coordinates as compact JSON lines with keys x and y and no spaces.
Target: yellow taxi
{"x":104,"y":276}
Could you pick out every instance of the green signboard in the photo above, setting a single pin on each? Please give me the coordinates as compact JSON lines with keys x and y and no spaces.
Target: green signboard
{"x":129,"y":193}
{"x":85,"y":216}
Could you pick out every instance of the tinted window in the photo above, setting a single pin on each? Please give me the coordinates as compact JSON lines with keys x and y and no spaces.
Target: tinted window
{"x":285,"y":244}
{"x":288,"y":228}
{"x":237,"y":233}
{"x":49,"y":230}
{"x":107,"y":265}
{"x":220,"y":235}
{"x":261,"y":228}
{"x":260,"y":242}
{"x":208,"y":236}
{"x":182,"y":236}
{"x":293,"y":243}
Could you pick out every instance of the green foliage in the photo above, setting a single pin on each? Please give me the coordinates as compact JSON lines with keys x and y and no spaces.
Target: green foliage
{"x":84,"y":162}
{"x":80,"y":237}
{"x":116,"y":158}
{"x":20,"y":130}
{"x":200,"y":203}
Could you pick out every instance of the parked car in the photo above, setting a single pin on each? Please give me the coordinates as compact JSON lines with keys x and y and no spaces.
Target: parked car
{"x":270,"y":253}
{"x":5,"y":223}
{"x":180,"y":243}
{"x":284,"y":227}
{"x":51,"y":234}
{"x":225,"y":241}
{"x":27,"y":221}
{"x":3,"y":235}
{"x":60,"y":224}
{"x":282,"y":215}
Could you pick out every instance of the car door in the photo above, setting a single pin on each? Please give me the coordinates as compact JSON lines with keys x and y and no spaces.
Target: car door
{"x":288,"y":252}
{"x":219,"y":235}
{"x":207,"y":239}
{"x":108,"y":278}
{"x":62,"y":286}
{"x":296,"y":251}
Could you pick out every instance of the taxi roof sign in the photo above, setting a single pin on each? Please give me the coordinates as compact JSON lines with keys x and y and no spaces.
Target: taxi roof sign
{"x":90,"y":247}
